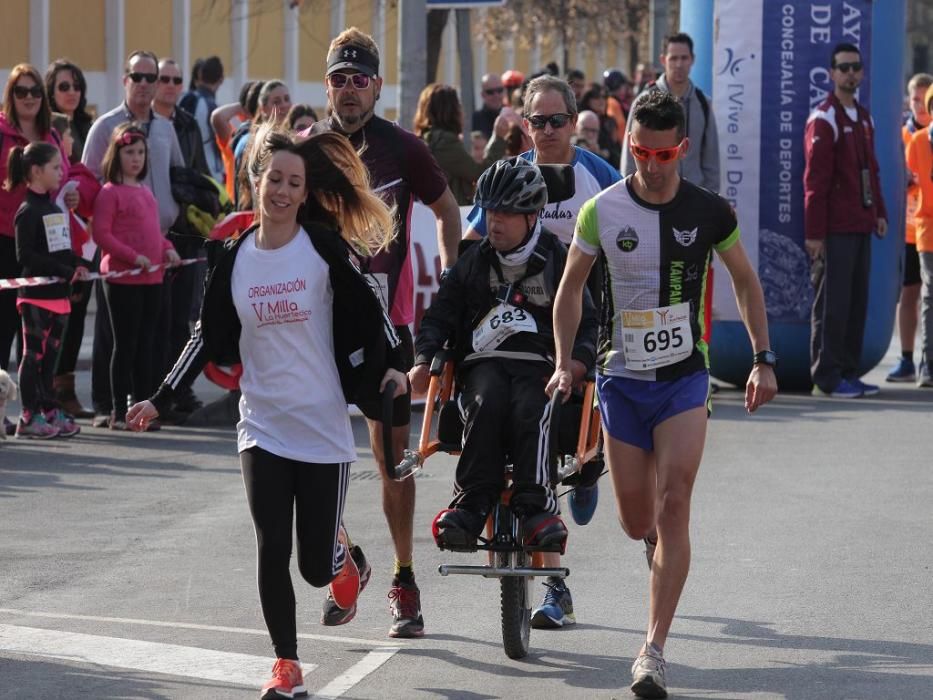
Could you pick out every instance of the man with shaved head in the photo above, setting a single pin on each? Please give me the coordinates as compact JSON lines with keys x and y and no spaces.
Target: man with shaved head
{"x":493,"y":94}
{"x":587,"y":131}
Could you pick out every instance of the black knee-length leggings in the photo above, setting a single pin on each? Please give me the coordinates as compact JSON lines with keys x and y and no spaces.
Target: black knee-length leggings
{"x":276,"y":488}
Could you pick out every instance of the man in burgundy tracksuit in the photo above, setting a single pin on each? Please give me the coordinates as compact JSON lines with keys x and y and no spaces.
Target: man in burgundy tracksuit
{"x":843,"y":206}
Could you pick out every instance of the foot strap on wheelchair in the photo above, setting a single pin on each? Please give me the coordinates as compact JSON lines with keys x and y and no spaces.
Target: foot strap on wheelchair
{"x":451,"y":538}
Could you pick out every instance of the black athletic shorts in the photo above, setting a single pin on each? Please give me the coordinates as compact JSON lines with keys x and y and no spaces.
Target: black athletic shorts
{"x":401,"y":408}
{"x":911,"y":265}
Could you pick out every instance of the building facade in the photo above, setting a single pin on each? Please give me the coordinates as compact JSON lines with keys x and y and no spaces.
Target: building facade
{"x":255,"y":39}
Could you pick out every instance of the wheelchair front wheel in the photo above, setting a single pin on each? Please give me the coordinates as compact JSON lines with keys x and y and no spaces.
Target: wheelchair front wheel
{"x":516,"y":605}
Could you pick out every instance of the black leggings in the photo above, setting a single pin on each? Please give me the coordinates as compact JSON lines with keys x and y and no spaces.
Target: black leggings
{"x":134,"y":309}
{"x":9,"y":317}
{"x":275,"y":488}
{"x":74,"y":331}
{"x":42,"y":339}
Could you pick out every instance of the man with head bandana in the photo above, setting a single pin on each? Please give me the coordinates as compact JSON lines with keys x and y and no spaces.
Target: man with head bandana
{"x":401,"y":169}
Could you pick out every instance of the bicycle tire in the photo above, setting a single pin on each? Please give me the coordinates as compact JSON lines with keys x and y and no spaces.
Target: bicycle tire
{"x":516,"y":607}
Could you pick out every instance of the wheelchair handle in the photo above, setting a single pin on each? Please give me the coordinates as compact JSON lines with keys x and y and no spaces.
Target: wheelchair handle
{"x":388,"y":449}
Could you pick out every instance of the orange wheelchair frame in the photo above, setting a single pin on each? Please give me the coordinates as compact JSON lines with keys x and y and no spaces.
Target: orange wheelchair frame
{"x":509,"y":561}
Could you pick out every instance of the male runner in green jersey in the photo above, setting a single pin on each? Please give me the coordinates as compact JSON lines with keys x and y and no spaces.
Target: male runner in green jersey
{"x":658,"y":233}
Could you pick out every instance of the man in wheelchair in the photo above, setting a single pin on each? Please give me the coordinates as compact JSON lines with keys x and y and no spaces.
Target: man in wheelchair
{"x":494,"y":309}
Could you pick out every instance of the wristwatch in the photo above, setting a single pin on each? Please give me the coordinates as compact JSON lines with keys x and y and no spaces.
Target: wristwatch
{"x":765,"y":357}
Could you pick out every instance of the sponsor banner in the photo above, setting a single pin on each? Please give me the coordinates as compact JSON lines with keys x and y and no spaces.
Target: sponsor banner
{"x":771,"y":68}
{"x":426,"y":259}
{"x":737,"y":103}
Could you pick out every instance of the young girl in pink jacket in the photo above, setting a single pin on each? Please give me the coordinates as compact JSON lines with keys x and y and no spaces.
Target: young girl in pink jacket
{"x":126,"y":227}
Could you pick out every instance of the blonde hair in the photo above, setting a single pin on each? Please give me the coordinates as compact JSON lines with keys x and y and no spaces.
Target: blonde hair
{"x":357,"y":38}
{"x":339,"y":193}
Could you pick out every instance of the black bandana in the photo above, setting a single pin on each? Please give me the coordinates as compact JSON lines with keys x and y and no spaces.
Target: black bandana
{"x":355,"y":57}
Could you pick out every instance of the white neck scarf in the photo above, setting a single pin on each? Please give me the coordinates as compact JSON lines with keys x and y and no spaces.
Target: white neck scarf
{"x":521,"y":254}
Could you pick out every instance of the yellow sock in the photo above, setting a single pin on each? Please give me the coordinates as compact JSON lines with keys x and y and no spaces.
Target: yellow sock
{"x":404,"y":570}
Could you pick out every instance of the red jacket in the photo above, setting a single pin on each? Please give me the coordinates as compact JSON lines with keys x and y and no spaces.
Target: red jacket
{"x":10,"y":201}
{"x":836,"y":150}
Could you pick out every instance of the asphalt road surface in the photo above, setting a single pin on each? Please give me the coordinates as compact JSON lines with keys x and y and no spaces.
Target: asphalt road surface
{"x":127,"y":570}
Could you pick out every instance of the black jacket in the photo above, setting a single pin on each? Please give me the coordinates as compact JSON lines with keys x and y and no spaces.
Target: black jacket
{"x":466,"y":296}
{"x":189,"y":139}
{"x":365,"y":342}
{"x":32,"y":248}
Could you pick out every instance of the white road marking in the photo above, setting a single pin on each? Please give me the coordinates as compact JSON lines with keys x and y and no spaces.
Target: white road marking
{"x":152,"y":657}
{"x":194,"y":626}
{"x":341,"y":684}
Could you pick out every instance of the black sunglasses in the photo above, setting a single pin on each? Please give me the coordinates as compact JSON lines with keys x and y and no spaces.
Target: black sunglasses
{"x":855,"y":66}
{"x":556,"y":121}
{"x":139,"y":77}
{"x":169,"y":79}
{"x":22,"y":92}
{"x":65,"y":86}
{"x":494,"y":91}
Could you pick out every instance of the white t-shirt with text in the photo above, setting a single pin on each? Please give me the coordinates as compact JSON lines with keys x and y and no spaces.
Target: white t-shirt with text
{"x":292,"y":404}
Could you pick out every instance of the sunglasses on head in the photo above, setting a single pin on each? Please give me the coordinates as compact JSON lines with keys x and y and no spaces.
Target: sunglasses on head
{"x":494,"y":91}
{"x":65,"y":86}
{"x":662,"y":155}
{"x":556,"y":121}
{"x":855,"y":66}
{"x":22,"y":92}
{"x":339,"y":80}
{"x":166,"y":79}
{"x":139,"y":77}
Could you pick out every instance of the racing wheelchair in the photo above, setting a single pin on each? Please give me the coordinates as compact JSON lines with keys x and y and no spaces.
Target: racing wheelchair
{"x":575,"y":428}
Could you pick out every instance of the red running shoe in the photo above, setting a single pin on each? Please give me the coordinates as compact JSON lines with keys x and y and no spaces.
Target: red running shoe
{"x":345,"y":588}
{"x":287,"y":681}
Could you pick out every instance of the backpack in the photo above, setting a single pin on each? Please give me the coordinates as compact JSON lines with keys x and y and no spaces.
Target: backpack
{"x":189,"y":101}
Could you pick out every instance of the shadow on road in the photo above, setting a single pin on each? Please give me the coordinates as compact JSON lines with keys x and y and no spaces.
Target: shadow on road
{"x":26,"y":678}
{"x":866,"y":669}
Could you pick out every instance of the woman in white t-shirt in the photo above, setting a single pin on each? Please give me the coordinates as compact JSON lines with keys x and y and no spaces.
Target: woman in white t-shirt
{"x":287,"y":300}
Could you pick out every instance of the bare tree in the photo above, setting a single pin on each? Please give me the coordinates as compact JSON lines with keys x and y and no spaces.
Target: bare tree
{"x":570,"y":21}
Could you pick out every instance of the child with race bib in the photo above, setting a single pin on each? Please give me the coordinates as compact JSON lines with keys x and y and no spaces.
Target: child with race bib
{"x":126,"y":227}
{"x":43,"y":248}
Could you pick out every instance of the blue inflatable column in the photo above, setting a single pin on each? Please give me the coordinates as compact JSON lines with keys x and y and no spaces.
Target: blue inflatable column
{"x":730,"y":351}
{"x":887,"y":99}
{"x":696,"y":19}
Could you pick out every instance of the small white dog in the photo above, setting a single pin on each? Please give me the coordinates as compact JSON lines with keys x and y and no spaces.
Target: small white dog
{"x":7,"y":393}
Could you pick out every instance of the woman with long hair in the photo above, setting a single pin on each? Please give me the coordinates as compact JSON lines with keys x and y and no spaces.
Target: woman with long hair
{"x":288,"y":301}
{"x":67,"y":90}
{"x":439,"y":123}
{"x":25,"y":118}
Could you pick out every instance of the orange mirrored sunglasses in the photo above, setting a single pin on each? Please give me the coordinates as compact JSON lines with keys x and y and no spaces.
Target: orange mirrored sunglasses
{"x":662,"y":155}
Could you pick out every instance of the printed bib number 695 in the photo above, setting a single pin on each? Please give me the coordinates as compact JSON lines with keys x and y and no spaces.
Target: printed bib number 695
{"x":656,"y":337}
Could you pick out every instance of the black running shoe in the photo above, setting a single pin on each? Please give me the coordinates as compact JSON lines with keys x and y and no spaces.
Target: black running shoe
{"x":405,"y":605}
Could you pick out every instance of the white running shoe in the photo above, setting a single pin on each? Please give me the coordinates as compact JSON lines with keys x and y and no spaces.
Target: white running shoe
{"x":648,"y":676}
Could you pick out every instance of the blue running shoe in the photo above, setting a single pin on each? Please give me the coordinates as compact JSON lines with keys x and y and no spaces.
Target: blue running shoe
{"x":867,"y":389}
{"x":583,"y":500}
{"x":843,"y":390}
{"x":904,"y":371}
{"x":557,"y":608}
